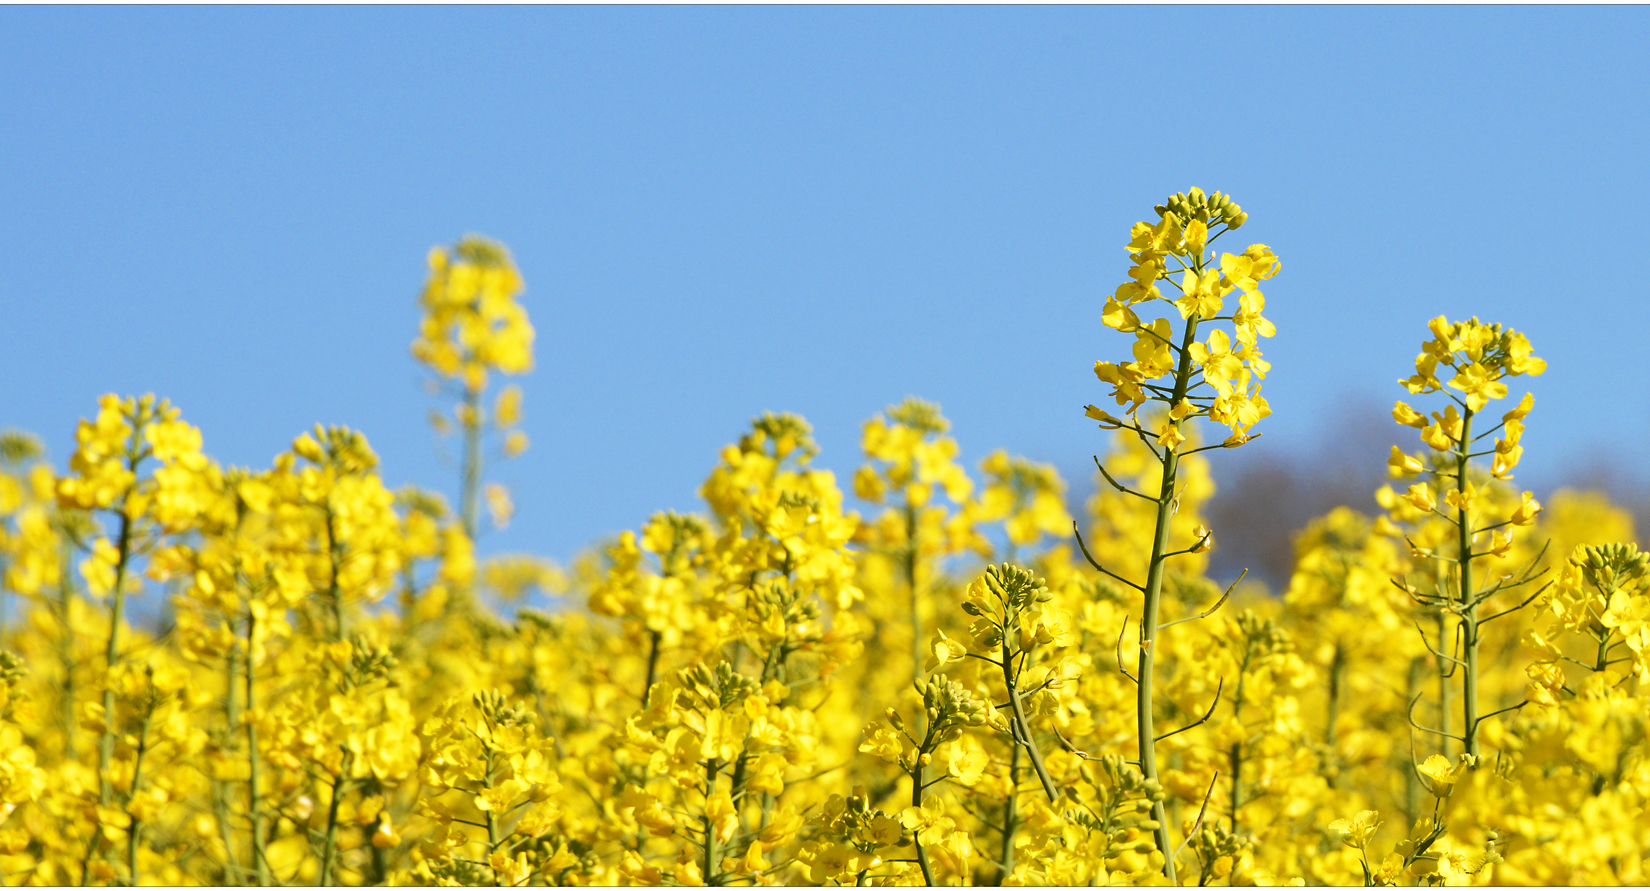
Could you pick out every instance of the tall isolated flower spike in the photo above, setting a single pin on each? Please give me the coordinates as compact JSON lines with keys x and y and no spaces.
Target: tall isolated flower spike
{"x":1217,"y":378}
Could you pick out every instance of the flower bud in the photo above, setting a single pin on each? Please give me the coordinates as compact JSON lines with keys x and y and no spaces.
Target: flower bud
{"x":385,"y":836}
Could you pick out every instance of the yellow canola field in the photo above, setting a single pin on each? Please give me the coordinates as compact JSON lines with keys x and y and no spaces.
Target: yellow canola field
{"x":948,"y":685}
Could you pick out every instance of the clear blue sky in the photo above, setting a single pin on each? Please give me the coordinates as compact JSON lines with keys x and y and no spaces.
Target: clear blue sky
{"x":720,"y":211}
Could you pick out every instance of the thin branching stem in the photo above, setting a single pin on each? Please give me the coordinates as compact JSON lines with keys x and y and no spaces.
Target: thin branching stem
{"x":1092,"y":562}
{"x":1211,"y":610}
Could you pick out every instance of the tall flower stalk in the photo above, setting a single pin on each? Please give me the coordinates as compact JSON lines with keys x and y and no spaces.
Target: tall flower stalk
{"x":1217,"y":378}
{"x":473,"y":324}
{"x":1483,"y":355}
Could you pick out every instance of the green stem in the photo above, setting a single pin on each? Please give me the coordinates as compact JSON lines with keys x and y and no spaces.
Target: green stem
{"x":332,"y":820}
{"x":911,"y":577}
{"x":709,"y":828}
{"x":1025,"y":728}
{"x":1337,"y":668}
{"x":471,"y":480}
{"x":1469,"y":611}
{"x":652,"y":662}
{"x":1236,"y":755}
{"x":260,"y":859}
{"x":220,"y":808}
{"x":1445,"y":694}
{"x":134,"y":831}
{"x":111,"y":653}
{"x":65,"y":655}
{"x":1153,"y":598}
{"x":335,"y":594}
{"x":1011,"y":817}
{"x":492,"y":815}
{"x":1417,"y":669}
{"x":380,"y":865}
{"x":220,"y":801}
{"x":916,"y":802}
{"x":1236,"y":765}
{"x":1602,"y":660}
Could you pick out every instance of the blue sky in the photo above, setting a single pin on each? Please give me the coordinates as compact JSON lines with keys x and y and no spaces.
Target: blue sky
{"x":721,"y":211}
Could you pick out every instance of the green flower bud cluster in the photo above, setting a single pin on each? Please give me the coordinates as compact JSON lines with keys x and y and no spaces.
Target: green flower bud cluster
{"x":1127,"y":781}
{"x":13,"y":668}
{"x":773,"y":593}
{"x":1262,"y":637}
{"x":1214,"y":842}
{"x":497,"y":710}
{"x":797,"y":499}
{"x":17,"y":447}
{"x":788,"y":433}
{"x":538,"y":620}
{"x":369,"y":662}
{"x":951,"y":707}
{"x":919,"y":415}
{"x":1492,"y":852}
{"x":1126,"y":815}
{"x":800,"y":614}
{"x":467,"y":873}
{"x":853,"y":821}
{"x":483,"y":253}
{"x":1015,"y":587}
{"x":717,"y":687}
{"x":1136,"y":816}
{"x":1611,"y":567}
{"x":422,"y":501}
{"x":1193,"y":204}
{"x":1123,"y":813}
{"x":685,"y":529}
{"x":345,"y":449}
